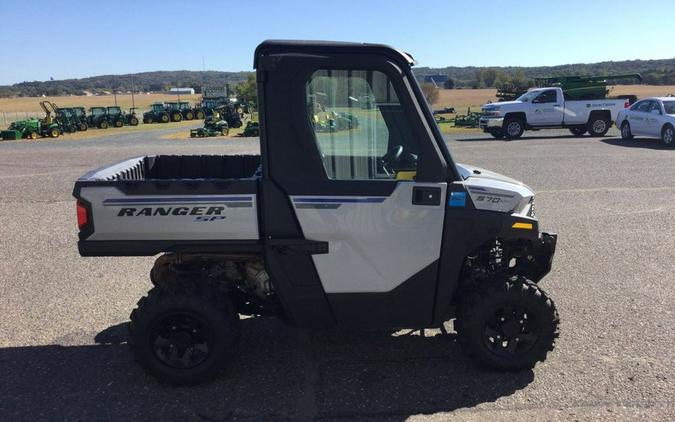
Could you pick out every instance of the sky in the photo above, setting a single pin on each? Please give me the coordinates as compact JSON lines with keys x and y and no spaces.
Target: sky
{"x":74,"y":39}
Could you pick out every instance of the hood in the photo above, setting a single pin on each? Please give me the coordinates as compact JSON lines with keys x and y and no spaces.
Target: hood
{"x":467,"y":171}
{"x":493,"y":191}
{"x":488,"y":107}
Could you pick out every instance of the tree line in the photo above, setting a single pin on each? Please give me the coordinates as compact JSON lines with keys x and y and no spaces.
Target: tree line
{"x":654,"y":72}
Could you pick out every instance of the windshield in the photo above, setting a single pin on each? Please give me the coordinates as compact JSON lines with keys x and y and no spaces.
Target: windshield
{"x":669,"y":106}
{"x":97,"y":110}
{"x":114,"y":110}
{"x":526,"y":97}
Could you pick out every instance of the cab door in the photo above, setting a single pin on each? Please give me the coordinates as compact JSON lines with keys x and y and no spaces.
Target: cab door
{"x":547,"y":109}
{"x":654,"y":120}
{"x":637,"y":117}
{"x":363,"y":175}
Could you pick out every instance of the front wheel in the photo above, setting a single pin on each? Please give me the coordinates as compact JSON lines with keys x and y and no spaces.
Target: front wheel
{"x":598,"y":126}
{"x":176,"y":117}
{"x":184,"y":331}
{"x":54,"y":133}
{"x":578,"y":131}
{"x":626,"y":133}
{"x":189,"y":115}
{"x":133,"y":121}
{"x":507,"y":325}
{"x":513,"y":128}
{"x":200,"y":115}
{"x":103,"y":125}
{"x":667,"y":135}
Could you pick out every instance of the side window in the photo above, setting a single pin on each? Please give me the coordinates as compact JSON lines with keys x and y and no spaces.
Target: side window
{"x":359,"y":126}
{"x":546,"y":97}
{"x":654,"y":106}
{"x":644,"y":106}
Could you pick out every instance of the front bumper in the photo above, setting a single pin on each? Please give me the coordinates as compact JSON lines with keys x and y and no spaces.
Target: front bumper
{"x":490,"y":123}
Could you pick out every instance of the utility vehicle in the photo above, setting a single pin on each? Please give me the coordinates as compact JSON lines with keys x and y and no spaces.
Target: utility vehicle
{"x":371,"y":227}
{"x":546,"y":108}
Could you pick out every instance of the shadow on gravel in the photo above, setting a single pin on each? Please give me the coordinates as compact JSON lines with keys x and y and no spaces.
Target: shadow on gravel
{"x":648,"y":143}
{"x":523,"y":138}
{"x":280,"y":374}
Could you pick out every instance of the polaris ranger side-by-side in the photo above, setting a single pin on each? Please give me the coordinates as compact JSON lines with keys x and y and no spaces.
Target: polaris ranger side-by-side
{"x":371,"y":226}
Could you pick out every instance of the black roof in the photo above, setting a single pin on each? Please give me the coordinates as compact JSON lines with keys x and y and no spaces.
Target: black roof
{"x":269,"y":47}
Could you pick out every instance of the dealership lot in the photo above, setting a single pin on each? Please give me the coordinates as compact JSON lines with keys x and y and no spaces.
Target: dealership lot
{"x":612,"y":202}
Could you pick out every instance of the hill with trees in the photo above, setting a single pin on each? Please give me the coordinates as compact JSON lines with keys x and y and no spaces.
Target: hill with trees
{"x":654,"y":72}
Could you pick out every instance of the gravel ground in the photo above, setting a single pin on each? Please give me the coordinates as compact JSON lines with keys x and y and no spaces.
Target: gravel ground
{"x":62,"y":337}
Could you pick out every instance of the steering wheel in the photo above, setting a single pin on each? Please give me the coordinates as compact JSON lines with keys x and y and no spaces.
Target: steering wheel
{"x":391,"y":157}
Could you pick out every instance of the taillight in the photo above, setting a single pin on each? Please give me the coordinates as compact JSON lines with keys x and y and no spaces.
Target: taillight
{"x":82,"y":219}
{"x":626,"y":104}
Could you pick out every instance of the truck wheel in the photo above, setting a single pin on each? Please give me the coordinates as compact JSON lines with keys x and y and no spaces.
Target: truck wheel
{"x":667,"y":135}
{"x":200,"y":115}
{"x":507,"y":325}
{"x":103,"y":125}
{"x":625,"y":131}
{"x":184,"y":332}
{"x":598,"y":126}
{"x":513,"y":128}
{"x":133,"y":121}
{"x":578,"y":131}
{"x":165,"y":118}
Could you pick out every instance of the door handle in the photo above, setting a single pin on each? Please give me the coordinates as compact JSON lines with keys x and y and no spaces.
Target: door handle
{"x":423,"y":195}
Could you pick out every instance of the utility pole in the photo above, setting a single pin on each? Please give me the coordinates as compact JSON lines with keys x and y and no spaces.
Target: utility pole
{"x":133,"y":102}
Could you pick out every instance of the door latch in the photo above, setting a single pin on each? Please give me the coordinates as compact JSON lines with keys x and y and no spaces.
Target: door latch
{"x":423,"y":195}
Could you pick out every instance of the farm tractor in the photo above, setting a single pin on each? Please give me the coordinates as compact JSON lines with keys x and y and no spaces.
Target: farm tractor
{"x":80,"y":115}
{"x":161,"y":113}
{"x":49,"y":126}
{"x":212,"y":127}
{"x":187,"y":112}
{"x":98,"y":117}
{"x":119,"y":118}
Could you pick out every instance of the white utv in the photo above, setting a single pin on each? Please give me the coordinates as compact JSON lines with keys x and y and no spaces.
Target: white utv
{"x":353,"y":215}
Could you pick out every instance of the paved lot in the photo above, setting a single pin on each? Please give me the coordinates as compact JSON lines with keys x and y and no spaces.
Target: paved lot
{"x":62,"y":351}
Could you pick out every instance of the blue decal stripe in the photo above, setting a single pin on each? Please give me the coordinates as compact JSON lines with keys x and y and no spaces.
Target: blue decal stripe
{"x":370,"y":200}
{"x":176,"y":200}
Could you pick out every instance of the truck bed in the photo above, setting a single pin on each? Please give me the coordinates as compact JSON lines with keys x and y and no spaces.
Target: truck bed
{"x":152,"y":204}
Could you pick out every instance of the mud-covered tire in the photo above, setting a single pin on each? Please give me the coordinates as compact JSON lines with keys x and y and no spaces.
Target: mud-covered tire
{"x":668,"y":135}
{"x":598,"y":125}
{"x":626,"y":133}
{"x":513,"y":128}
{"x":507,"y":325}
{"x":578,"y":130}
{"x":184,"y":331}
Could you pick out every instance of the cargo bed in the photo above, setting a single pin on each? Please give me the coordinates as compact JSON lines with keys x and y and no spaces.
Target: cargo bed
{"x":152,"y":204}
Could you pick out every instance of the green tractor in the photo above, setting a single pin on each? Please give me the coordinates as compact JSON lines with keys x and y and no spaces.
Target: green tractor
{"x":33,"y":128}
{"x":118,"y":118}
{"x":160,"y":113}
{"x":187,"y":112}
{"x":252,"y":129}
{"x":98,"y":117}
{"x":130,"y":118}
{"x":81,"y":118}
{"x":469,"y":120}
{"x":212,"y":127}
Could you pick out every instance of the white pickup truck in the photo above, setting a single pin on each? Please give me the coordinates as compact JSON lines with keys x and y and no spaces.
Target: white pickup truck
{"x":546,"y":108}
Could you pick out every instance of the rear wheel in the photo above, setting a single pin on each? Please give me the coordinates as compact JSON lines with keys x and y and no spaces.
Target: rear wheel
{"x":176,"y":117}
{"x":119,"y":123}
{"x":508,"y":324}
{"x":33,"y":135}
{"x":200,"y":115}
{"x":225,"y":131}
{"x":625,"y":131}
{"x":513,"y":128}
{"x":165,"y":118}
{"x":82,"y":127}
{"x":133,"y":121}
{"x":184,"y":331}
{"x":103,"y":125}
{"x":598,"y":125}
{"x":189,"y":115}
{"x":667,"y":135}
{"x":578,"y":131}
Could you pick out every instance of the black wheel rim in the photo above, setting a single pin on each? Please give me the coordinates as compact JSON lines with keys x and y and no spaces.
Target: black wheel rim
{"x":181,"y":339}
{"x":511,"y":331}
